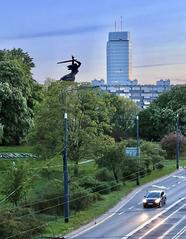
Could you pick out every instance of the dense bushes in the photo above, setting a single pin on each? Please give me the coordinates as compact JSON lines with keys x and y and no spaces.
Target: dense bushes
{"x":169,"y":142}
{"x":22,"y":223}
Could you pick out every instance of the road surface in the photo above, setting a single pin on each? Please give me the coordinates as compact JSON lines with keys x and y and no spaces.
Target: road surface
{"x":130,"y":220}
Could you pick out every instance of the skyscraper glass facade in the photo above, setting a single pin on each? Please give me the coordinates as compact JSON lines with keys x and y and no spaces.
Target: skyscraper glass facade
{"x":119,"y":65}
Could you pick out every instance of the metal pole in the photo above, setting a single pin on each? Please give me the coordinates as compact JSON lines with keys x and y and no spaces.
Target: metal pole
{"x":65,"y":168}
{"x":177,"y":141}
{"x":137,"y":138}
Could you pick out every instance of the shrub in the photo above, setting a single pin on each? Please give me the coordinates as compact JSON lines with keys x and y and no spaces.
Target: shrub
{"x":159,"y":166}
{"x":114,"y":186}
{"x":88,"y":182}
{"x":80,"y":198}
{"x":102,"y":188}
{"x":169,"y":141}
{"x":19,"y":221}
{"x":104,"y":174}
{"x":50,"y":198}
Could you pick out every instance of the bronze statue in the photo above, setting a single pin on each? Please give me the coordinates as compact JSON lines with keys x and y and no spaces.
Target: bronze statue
{"x":73,"y":67}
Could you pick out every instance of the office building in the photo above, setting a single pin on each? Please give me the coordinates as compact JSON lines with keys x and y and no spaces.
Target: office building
{"x":119,"y":64}
{"x":143,"y":95}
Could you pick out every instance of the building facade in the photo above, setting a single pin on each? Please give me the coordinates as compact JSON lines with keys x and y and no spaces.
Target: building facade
{"x":119,"y":62}
{"x":143,"y":95}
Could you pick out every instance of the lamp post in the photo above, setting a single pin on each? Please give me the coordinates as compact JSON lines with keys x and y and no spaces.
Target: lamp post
{"x":137,"y":139}
{"x":65,"y":153}
{"x":65,"y":170}
{"x":177,"y":141}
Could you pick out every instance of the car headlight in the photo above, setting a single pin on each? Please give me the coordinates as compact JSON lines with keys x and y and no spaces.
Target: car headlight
{"x":157,"y":200}
{"x":144,"y":200}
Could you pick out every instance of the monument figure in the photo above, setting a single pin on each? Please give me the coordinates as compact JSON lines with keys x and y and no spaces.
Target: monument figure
{"x":73,"y":68}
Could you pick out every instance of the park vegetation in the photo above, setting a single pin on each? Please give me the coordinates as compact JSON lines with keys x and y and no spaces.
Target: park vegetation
{"x":100,"y":127}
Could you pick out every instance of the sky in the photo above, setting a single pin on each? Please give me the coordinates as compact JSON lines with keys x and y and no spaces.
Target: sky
{"x":54,"y":30}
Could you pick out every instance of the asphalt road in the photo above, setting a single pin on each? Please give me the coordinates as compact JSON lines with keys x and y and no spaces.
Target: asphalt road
{"x":130,"y":220}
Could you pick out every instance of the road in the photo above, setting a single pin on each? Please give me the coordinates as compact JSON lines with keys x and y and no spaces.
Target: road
{"x":130,"y":220}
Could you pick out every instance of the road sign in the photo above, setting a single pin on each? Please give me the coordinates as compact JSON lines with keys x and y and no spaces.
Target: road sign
{"x":132,"y":151}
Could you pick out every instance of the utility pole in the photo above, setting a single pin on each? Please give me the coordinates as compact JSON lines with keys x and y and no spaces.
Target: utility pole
{"x":177,"y":141}
{"x":137,"y":139}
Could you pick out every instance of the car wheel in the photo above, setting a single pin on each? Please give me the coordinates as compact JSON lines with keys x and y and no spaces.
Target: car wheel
{"x":144,"y":206}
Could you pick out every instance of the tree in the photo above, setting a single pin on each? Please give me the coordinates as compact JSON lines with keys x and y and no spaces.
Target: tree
{"x":159,"y":118}
{"x":169,"y":142}
{"x":155,"y":122}
{"x":89,"y":116}
{"x":152,"y":153}
{"x":15,"y":115}
{"x":123,"y":117}
{"x":18,"y":94}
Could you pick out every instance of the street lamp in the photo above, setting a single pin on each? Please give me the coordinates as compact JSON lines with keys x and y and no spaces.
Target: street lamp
{"x":65,"y":153}
{"x":177,"y":141}
{"x":137,"y":139}
{"x":65,"y":170}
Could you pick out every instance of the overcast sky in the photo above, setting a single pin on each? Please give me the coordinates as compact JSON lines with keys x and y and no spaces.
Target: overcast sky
{"x":53,"y":30}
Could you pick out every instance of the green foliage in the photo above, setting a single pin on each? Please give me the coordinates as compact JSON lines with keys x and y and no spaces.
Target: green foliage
{"x":49,"y":198}
{"x":92,"y":115}
{"x":20,"y":224}
{"x":152,"y":153}
{"x":159,"y":118}
{"x":159,"y":165}
{"x":155,"y":122}
{"x":14,"y":185}
{"x":18,"y":95}
{"x":103,"y":174}
{"x":169,"y":142}
{"x":123,"y":118}
{"x":80,"y":198}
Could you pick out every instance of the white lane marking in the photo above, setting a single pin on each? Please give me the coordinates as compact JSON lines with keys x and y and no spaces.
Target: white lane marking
{"x":112,"y":214}
{"x":173,"y":185}
{"x":131,"y":207}
{"x":153,"y":218}
{"x":160,"y":223}
{"x":171,"y":228}
{"x":179,"y":182}
{"x":179,"y":233}
{"x":160,"y":187}
{"x":177,"y":176}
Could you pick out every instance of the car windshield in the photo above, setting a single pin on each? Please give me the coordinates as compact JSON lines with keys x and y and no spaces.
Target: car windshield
{"x":153,"y":195}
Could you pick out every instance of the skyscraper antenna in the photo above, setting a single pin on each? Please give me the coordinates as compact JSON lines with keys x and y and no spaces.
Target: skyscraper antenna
{"x":115,"y":26}
{"x":121,"y":24}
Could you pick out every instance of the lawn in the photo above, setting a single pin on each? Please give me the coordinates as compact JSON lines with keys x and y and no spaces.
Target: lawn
{"x":16,"y":149}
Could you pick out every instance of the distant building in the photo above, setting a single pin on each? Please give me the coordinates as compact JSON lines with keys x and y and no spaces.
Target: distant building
{"x":119,"y":73}
{"x":143,"y":95}
{"x":119,"y":62}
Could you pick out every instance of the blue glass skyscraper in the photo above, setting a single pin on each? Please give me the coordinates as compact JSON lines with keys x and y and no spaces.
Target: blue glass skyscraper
{"x":119,"y":64}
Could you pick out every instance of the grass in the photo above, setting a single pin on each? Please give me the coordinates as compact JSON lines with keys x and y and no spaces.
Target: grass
{"x":16,"y":149}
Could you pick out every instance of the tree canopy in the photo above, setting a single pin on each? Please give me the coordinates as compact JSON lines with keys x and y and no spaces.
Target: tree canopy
{"x":159,"y":118}
{"x":18,"y":95}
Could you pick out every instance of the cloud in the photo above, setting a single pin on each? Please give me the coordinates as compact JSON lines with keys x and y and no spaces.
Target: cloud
{"x":59,"y":32}
{"x":160,"y":64}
